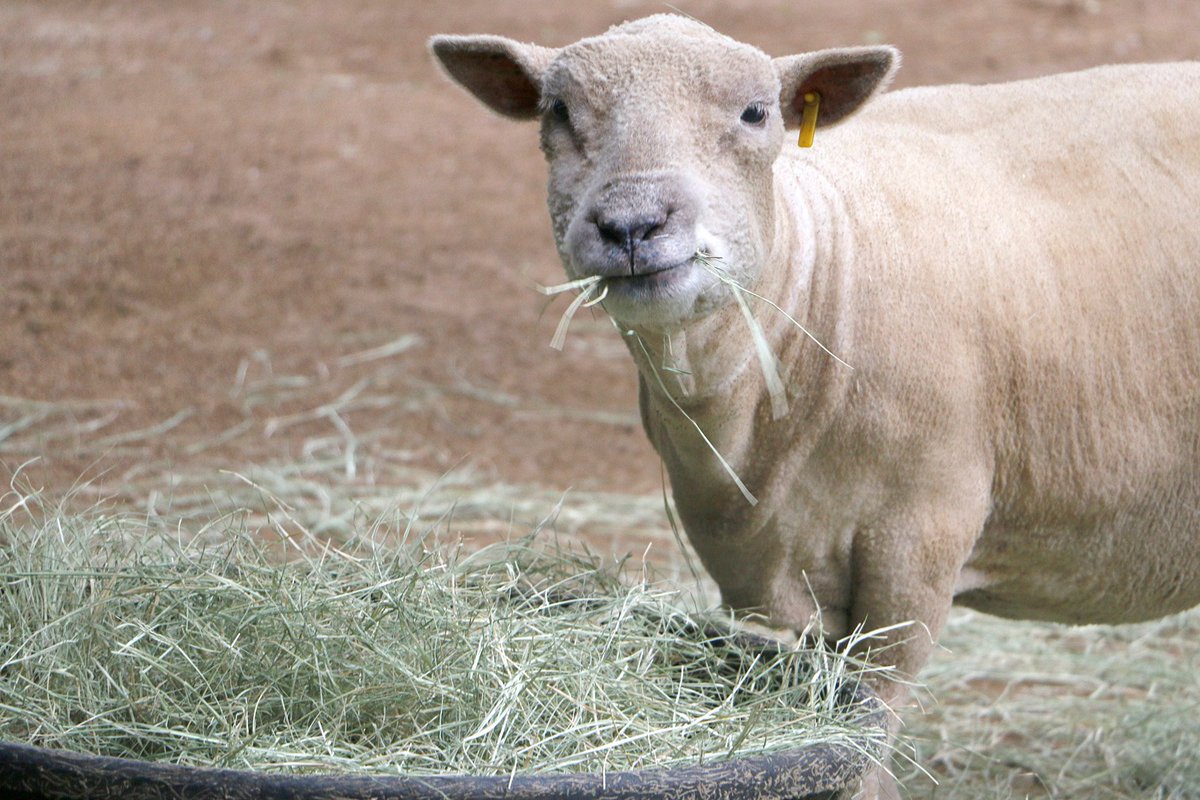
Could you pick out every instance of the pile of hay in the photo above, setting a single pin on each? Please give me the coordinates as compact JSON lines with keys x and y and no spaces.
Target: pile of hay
{"x":116,"y":639}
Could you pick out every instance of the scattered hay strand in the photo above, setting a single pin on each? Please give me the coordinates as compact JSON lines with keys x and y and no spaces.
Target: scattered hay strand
{"x":393,"y":348}
{"x":143,"y":434}
{"x":28,"y":425}
{"x":1034,"y":709}
{"x":120,"y":640}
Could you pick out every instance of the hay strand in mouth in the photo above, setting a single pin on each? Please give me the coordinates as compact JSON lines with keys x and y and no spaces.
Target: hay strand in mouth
{"x":570,"y":286}
{"x":586,"y":287}
{"x":750,"y":498}
{"x":599,"y":299}
{"x":564,"y":322}
{"x":762,"y":348}
{"x":766,"y":359}
{"x":707,"y":260}
{"x":589,"y":285}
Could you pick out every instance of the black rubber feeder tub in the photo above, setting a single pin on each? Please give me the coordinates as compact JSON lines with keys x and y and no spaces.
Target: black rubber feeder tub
{"x":808,"y":773}
{"x":816,"y":772}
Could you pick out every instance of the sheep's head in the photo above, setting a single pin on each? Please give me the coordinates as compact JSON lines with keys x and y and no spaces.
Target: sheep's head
{"x":661,"y":136}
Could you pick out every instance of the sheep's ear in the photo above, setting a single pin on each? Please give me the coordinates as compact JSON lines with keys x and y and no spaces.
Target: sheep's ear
{"x":504,"y":75}
{"x":845,"y":78}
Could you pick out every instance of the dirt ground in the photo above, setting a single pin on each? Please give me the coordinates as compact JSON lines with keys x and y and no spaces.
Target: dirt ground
{"x":200,"y":198}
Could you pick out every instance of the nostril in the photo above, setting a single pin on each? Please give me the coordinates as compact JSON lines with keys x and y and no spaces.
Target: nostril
{"x":628,"y":231}
{"x":612,"y":232}
{"x":648,"y":227}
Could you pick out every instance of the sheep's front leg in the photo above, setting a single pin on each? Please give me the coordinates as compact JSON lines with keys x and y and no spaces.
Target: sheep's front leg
{"x":903,"y":583}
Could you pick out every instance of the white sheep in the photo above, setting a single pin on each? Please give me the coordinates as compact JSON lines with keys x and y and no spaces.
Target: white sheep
{"x":1011,"y":272}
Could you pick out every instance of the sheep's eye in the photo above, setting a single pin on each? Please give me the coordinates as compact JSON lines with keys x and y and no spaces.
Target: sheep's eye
{"x":558,"y":109}
{"x":754,"y":114}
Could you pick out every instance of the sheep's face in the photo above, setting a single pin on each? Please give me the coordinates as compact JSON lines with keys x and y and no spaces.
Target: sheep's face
{"x":660,"y":141}
{"x":661,"y":137}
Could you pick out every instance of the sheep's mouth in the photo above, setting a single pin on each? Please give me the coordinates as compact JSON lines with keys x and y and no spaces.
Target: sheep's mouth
{"x":647,"y":281}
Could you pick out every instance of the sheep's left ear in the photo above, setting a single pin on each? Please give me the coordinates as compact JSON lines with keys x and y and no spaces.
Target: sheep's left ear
{"x":504,"y":75}
{"x":845,"y":78}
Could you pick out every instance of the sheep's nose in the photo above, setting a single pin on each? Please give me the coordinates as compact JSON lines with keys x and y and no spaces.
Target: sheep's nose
{"x":627,"y":232}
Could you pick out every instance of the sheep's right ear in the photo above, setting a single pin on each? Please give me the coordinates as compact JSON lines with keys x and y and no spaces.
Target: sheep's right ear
{"x":504,"y":75}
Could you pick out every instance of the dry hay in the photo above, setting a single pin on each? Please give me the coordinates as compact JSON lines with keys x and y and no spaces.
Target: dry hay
{"x":121,"y":638}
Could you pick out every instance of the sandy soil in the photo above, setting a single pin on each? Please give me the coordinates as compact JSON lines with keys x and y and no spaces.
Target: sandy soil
{"x":202,"y":198}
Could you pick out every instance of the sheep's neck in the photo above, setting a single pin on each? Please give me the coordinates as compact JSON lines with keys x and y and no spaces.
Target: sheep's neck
{"x":705,"y":377}
{"x":707,"y":363}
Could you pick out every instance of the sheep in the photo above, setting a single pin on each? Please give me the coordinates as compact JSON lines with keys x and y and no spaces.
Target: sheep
{"x":985,"y":324}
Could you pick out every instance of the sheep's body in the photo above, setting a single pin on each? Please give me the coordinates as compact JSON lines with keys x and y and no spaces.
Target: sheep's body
{"x":1024,"y":329}
{"x":1012,"y":271}
{"x":1051,"y":310}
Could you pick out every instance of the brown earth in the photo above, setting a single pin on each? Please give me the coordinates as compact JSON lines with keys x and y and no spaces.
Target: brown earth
{"x":208,"y":208}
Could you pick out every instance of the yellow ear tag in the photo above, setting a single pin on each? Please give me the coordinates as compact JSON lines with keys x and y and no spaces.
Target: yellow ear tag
{"x":808,"y":119}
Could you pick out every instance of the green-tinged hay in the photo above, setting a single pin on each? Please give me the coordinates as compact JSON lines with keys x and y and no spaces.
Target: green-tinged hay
{"x":119,"y":640}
